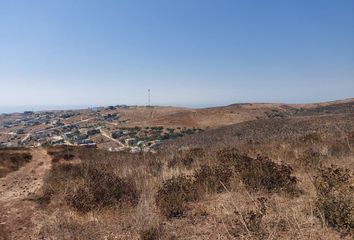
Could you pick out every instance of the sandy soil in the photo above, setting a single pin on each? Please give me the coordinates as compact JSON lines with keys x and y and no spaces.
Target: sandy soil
{"x":17,"y":211}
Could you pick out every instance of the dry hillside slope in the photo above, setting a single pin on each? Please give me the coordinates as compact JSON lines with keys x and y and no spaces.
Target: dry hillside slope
{"x":261,"y":171}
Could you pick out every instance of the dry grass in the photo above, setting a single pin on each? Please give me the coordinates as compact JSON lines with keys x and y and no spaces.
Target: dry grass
{"x":265,"y":189}
{"x":12,"y":160}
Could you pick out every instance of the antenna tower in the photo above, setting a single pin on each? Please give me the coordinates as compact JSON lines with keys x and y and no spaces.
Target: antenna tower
{"x":148,"y":97}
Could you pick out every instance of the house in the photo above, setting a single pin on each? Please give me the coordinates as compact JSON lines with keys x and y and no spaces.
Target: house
{"x":130,"y":141}
{"x":57,"y":140}
{"x":68,"y":135}
{"x":83,"y":141}
{"x":135,"y":150}
{"x":117,"y":134}
{"x":20,"y":131}
{"x":141,"y":144}
{"x":67,"y":115}
{"x":93,"y":132}
{"x":89,"y":145}
{"x":110,"y":117}
{"x":5,"y":144}
{"x":111,"y":108}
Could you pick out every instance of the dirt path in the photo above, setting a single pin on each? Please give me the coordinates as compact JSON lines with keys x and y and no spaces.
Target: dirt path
{"x":16,"y":211}
{"x":103,"y":133}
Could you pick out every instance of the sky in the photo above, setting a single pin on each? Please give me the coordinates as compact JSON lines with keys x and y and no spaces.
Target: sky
{"x":188,"y":52}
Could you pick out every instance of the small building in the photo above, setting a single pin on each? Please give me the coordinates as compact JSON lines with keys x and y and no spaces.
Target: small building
{"x":141,"y":144}
{"x":68,"y":135}
{"x":111,"y":108}
{"x":93,"y":132}
{"x":83,"y":141}
{"x":117,"y":134}
{"x":20,"y":131}
{"x":135,"y":150}
{"x":57,"y":140}
{"x":130,"y":141}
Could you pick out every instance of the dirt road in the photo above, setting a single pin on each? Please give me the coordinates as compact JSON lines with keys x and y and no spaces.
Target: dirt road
{"x":17,"y":212}
{"x":105,"y":134}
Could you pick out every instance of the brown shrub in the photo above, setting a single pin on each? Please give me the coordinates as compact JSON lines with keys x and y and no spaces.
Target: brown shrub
{"x":58,"y":179}
{"x":213,"y":178}
{"x":62,"y":226}
{"x":12,"y":161}
{"x":186,"y":158}
{"x":351,"y":138}
{"x":155,"y":166}
{"x":311,"y":159}
{"x":100,"y":188}
{"x":173,"y":196}
{"x":261,"y":173}
{"x":338,"y":211}
{"x":151,"y":233}
{"x":88,"y":185}
{"x":181,"y":160}
{"x":175,"y":193}
{"x":197,"y":152}
{"x":187,"y":161}
{"x":251,"y":220}
{"x":336,"y":197}
{"x":81,"y":198}
{"x":311,"y":138}
{"x":339,"y":148}
{"x":61,"y":153}
{"x":331,"y":179}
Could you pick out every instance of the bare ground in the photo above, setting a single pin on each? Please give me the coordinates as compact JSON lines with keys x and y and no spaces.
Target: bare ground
{"x":17,"y":212}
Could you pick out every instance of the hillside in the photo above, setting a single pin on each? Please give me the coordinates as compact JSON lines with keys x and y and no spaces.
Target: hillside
{"x":257,"y":171}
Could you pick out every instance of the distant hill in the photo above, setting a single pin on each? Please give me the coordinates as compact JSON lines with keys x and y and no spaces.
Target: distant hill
{"x":237,"y":113}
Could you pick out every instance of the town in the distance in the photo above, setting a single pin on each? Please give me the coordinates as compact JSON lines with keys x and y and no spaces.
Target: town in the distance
{"x":114,"y":128}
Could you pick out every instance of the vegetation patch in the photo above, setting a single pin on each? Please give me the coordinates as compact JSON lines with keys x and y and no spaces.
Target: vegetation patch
{"x":249,"y":223}
{"x":213,"y":179}
{"x":261,"y":173}
{"x":150,"y":233}
{"x":88,"y":186}
{"x":174,"y":195}
{"x":311,"y":159}
{"x":311,"y":138}
{"x":57,"y":154}
{"x":11,"y":161}
{"x":100,"y":188}
{"x":186,"y":158}
{"x":335,"y":201}
{"x":339,"y":148}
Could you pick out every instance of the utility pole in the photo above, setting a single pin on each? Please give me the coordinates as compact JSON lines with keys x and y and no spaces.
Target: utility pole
{"x":149,"y":97}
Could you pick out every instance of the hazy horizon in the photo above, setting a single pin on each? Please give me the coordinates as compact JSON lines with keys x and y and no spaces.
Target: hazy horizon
{"x":20,"y":109}
{"x":189,"y":53}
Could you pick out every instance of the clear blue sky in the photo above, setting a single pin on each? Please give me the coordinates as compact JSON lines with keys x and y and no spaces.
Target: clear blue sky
{"x":189,"y":52}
